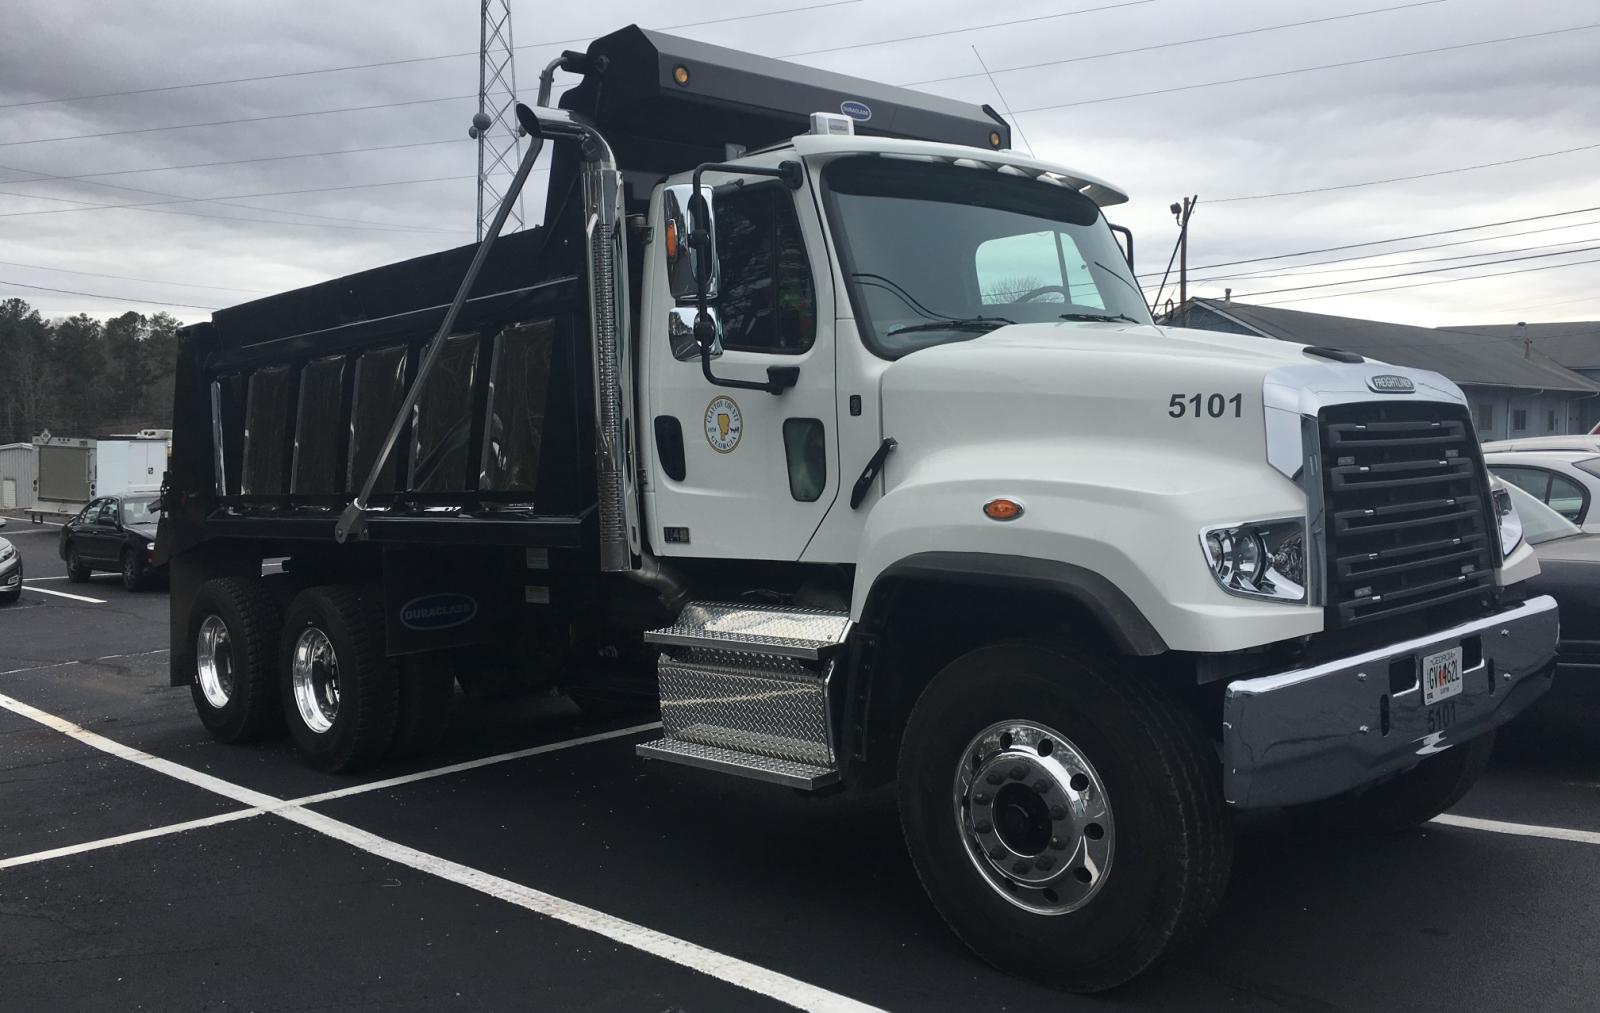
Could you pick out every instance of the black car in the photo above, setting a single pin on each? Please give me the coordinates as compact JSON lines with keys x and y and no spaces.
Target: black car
{"x":115,"y":533}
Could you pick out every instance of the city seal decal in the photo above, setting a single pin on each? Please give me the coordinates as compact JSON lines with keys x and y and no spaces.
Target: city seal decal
{"x":724,"y":424}
{"x":1389,"y":383}
{"x":438,"y":612}
{"x":858,"y":111}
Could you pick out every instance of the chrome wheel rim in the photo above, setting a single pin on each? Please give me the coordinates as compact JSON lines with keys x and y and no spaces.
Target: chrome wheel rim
{"x":315,"y":677}
{"x":214,"y":662}
{"x":1034,"y":817}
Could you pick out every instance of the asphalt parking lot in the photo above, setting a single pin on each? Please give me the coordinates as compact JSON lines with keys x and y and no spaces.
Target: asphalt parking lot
{"x":534,"y":863}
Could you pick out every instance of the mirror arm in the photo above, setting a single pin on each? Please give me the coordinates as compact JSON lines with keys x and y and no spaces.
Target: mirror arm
{"x":779,"y":378}
{"x":1127,"y":234}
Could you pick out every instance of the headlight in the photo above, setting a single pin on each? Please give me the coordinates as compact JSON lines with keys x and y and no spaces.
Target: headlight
{"x":1259,"y":559}
{"x":7,"y":551}
{"x":1510,"y":523}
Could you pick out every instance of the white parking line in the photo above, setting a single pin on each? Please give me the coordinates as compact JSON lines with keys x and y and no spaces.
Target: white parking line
{"x":138,"y":835}
{"x":1519,"y":829}
{"x":62,"y":594}
{"x":721,"y":966}
{"x":456,"y":768}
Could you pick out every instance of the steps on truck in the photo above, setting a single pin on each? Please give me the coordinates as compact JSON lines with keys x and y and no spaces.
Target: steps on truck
{"x":745,"y":690}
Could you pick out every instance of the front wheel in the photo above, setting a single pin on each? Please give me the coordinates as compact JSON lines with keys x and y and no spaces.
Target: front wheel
{"x":1406,"y":800}
{"x":134,"y":577}
{"x":1065,"y":816}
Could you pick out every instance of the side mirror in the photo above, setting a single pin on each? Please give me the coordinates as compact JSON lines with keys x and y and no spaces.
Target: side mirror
{"x":691,"y":243}
{"x":680,"y":328}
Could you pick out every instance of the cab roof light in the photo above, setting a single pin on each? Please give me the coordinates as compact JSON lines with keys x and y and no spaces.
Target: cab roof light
{"x":832,"y":125}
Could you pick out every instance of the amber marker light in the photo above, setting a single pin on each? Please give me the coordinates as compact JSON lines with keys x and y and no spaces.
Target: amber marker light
{"x":994,"y":135}
{"x":1002,"y":509}
{"x":672,"y":240}
{"x":680,"y":74}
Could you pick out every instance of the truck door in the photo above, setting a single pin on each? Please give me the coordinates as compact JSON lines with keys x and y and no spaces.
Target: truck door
{"x":735,"y":472}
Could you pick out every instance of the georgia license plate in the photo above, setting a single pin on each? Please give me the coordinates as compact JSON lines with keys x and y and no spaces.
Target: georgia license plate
{"x":1441,"y":676}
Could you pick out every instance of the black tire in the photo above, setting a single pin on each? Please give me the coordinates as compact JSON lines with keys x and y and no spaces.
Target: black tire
{"x":1405,"y":801}
{"x":1160,"y":775}
{"x":361,"y":724}
{"x":77,"y":572}
{"x":252,"y":621}
{"x":134,"y":575}
{"x":427,"y":692}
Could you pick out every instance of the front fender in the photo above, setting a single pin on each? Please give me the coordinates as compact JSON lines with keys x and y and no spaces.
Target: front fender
{"x":1121,"y":522}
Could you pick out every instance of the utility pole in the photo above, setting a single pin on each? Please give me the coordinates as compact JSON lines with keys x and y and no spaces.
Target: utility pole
{"x":1183,"y":212}
{"x":495,"y":125}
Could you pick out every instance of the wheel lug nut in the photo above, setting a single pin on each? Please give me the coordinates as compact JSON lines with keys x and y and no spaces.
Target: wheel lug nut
{"x":1044,"y":862}
{"x":1019,"y":772}
{"x":1057,"y":844}
{"x":1022,"y":867}
{"x":1042,"y":785}
{"x":984,"y":827}
{"x":1058,"y":812}
{"x":995,"y":777}
{"x":997,"y":853}
{"x":981,"y":798}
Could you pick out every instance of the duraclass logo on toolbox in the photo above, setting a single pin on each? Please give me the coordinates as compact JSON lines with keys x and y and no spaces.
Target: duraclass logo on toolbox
{"x":438,"y":612}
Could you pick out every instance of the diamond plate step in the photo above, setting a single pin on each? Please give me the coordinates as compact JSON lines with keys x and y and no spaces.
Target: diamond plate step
{"x":732,"y":761}
{"x":770,"y":629}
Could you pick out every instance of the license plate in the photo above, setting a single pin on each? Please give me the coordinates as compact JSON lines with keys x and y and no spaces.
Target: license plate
{"x":1441,"y":676}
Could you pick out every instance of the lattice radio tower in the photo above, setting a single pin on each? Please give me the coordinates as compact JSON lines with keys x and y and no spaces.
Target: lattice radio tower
{"x":495,"y":125}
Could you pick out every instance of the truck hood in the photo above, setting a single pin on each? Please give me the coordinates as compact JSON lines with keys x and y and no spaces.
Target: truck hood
{"x":1135,"y":395}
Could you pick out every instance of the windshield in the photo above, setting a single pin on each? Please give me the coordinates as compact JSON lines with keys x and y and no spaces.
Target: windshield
{"x":139,"y":512}
{"x":1539,"y":522}
{"x":937,"y":253}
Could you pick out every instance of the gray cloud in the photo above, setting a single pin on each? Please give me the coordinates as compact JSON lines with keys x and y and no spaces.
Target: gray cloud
{"x":1299,"y":131}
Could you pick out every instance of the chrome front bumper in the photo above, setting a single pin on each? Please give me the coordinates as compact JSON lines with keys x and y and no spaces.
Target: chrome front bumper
{"x":1312,"y":733}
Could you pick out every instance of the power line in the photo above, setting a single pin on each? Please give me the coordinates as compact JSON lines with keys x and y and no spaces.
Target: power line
{"x":187,"y":200}
{"x":1179,"y":42}
{"x":968,"y":28}
{"x":108,"y":298}
{"x":1307,"y":70}
{"x":235,"y":161}
{"x":1402,"y":179}
{"x":123,"y":277}
{"x":1424,"y":284}
{"x":1393,"y":239}
{"x":1412,"y":274}
{"x":1311,"y":271}
{"x":395,"y":63}
{"x":1299,"y":270}
{"x":180,"y":198}
{"x":245,"y":119}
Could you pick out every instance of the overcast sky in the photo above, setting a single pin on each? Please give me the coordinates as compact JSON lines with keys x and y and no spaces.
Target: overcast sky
{"x":1288,"y":132}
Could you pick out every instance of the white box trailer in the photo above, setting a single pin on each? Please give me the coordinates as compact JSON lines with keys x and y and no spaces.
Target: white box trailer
{"x":19,"y":475}
{"x":74,"y":470}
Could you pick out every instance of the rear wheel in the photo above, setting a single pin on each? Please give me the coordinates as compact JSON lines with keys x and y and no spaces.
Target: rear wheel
{"x":1065,"y":816}
{"x":340,"y":691}
{"x":1406,"y":800}
{"x":77,"y":572}
{"x":234,"y":627}
{"x":134,"y":575}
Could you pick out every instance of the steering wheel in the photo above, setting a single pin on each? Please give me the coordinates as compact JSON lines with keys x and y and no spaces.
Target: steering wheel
{"x":1043,"y":290}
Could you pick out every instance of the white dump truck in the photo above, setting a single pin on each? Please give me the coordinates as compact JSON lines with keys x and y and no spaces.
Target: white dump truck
{"x":818,"y":417}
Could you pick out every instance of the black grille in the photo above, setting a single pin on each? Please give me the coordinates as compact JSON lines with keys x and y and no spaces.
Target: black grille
{"x":1407,"y":510}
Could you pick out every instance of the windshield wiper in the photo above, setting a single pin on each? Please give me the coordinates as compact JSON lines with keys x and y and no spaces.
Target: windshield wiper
{"x":1100,"y":318}
{"x":981,"y":325}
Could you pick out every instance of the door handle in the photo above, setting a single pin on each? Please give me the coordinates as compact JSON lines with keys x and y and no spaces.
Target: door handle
{"x":874,"y":466}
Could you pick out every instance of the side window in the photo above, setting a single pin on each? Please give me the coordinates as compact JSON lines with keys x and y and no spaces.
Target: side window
{"x":1519,"y":420}
{"x":767,"y":301}
{"x":89,"y":513}
{"x":1566,"y":498}
{"x":1530,"y":480}
{"x":1042,"y":267}
{"x":1486,"y":416}
{"x":107,"y":512}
